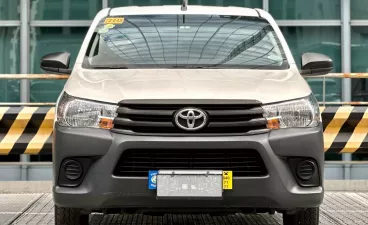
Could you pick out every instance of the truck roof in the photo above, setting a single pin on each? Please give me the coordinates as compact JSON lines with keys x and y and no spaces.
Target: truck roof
{"x":176,"y":9}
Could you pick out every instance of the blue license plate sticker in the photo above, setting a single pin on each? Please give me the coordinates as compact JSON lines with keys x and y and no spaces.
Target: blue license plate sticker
{"x":152,"y":179}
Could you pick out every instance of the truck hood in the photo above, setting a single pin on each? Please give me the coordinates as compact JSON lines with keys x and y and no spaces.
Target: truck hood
{"x":113,"y":86}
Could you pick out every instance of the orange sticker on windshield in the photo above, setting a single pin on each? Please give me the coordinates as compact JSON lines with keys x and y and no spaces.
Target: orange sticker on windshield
{"x":117,"y":20}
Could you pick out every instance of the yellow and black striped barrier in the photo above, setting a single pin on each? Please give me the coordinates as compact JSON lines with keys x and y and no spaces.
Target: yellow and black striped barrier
{"x":345,"y":129}
{"x":28,"y":130}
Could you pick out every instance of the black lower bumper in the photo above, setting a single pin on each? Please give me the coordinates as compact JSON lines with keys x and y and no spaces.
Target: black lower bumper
{"x":100,"y":189}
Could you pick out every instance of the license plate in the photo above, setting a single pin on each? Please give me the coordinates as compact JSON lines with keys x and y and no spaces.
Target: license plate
{"x":189,"y":183}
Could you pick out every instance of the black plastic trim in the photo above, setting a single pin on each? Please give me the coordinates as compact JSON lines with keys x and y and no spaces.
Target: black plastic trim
{"x":78,"y":169}
{"x":63,"y":181}
{"x":129,"y":132}
{"x":310,"y":174}
{"x":156,"y":117}
{"x":191,"y":101}
{"x":314,"y":181}
{"x":243,"y":162}
{"x":259,"y":14}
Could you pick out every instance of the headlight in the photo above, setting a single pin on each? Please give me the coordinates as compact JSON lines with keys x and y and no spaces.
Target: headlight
{"x":74,"y":112}
{"x":297,"y":113}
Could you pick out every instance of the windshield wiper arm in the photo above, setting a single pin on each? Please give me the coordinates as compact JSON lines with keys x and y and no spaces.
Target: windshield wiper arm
{"x":195,"y":67}
{"x":110,"y":67}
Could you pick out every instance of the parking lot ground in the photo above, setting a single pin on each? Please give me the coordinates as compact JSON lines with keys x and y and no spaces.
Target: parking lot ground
{"x":348,"y":208}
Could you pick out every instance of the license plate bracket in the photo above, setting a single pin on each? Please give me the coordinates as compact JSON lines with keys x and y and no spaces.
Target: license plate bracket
{"x":189,"y":184}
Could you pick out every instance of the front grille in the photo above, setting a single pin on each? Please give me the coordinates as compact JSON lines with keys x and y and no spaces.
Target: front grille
{"x":156,"y":117}
{"x":243,"y":162}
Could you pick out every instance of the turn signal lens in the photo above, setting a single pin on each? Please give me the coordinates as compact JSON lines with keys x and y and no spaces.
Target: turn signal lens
{"x":273,"y":123}
{"x":106,"y":123}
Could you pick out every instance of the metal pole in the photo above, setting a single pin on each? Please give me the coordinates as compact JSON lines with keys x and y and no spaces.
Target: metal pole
{"x":24,"y":49}
{"x":266,"y":5}
{"x":324,"y":91}
{"x":24,"y":65}
{"x":219,"y":2}
{"x":346,"y":67}
{"x":346,"y":48}
{"x":66,"y":15}
{"x":105,"y":3}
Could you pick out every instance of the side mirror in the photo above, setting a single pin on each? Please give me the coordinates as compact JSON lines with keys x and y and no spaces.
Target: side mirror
{"x":315,"y":64}
{"x":56,"y":63}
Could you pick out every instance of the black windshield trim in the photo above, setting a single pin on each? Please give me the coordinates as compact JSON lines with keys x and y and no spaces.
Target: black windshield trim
{"x":284,"y":66}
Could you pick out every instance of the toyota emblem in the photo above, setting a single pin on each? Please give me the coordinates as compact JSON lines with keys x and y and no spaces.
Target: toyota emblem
{"x":191,"y":119}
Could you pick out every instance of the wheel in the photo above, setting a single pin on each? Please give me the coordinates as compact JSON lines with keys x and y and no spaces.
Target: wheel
{"x":308,"y":216}
{"x":70,"y":216}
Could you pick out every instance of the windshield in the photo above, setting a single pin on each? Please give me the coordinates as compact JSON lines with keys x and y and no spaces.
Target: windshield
{"x":185,"y":41}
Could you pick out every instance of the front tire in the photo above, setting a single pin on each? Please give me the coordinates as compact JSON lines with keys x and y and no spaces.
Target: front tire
{"x":308,"y":216}
{"x":70,"y":216}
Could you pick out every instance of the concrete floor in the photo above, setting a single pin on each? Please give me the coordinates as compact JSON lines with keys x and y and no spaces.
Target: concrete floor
{"x":338,"y":208}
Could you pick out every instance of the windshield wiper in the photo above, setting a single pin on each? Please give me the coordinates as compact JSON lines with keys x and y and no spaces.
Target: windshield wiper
{"x":283,"y":65}
{"x":195,"y":67}
{"x":110,"y":67}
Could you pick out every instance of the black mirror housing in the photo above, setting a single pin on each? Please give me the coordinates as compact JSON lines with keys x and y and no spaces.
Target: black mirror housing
{"x":56,"y":62}
{"x":316,"y":64}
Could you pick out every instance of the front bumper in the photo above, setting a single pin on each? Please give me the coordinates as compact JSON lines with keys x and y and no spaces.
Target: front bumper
{"x":100,"y":189}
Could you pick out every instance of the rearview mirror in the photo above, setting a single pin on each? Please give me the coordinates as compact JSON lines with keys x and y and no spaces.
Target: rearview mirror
{"x":56,"y":63}
{"x":315,"y":64}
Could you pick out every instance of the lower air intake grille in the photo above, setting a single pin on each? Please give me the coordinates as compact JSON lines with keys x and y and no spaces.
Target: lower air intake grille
{"x":243,"y":162}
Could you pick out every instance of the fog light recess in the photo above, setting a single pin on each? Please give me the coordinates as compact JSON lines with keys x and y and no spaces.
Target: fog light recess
{"x":306,"y":170}
{"x":73,"y":170}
